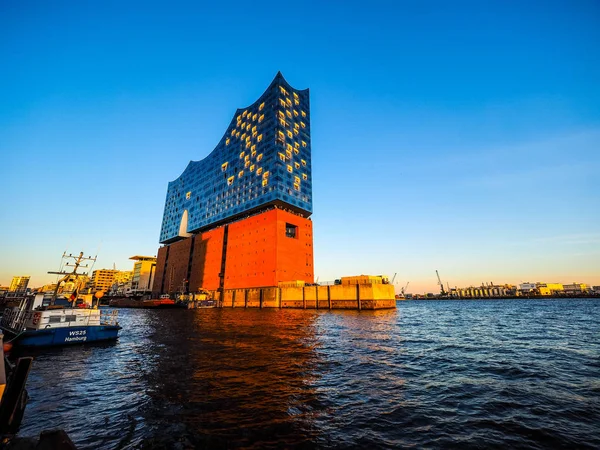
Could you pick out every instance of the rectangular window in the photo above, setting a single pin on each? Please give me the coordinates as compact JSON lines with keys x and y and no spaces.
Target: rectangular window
{"x":289,"y":169}
{"x":230,"y":181}
{"x":304,"y":176}
{"x":188,"y":195}
{"x":262,"y":116}
{"x":259,"y":171}
{"x":291,"y":231}
{"x":54,"y":319}
{"x":262,"y":105}
{"x":265,"y":181}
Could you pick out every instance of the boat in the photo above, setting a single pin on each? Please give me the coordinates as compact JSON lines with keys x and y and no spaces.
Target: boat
{"x":163,"y":302}
{"x":201,"y":299}
{"x":43,"y":320}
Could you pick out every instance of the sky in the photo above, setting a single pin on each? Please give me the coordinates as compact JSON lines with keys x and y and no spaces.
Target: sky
{"x":460,"y":136}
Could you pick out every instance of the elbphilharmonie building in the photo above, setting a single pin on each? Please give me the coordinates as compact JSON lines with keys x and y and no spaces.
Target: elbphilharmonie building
{"x":239,"y":218}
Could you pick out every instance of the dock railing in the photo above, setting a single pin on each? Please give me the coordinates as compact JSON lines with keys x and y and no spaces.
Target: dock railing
{"x":15,"y":319}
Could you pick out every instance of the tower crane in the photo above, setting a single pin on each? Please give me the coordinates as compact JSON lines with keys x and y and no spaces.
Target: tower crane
{"x":443,"y":291}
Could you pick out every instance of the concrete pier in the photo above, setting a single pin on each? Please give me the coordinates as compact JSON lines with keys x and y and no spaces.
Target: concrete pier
{"x":360,"y":293}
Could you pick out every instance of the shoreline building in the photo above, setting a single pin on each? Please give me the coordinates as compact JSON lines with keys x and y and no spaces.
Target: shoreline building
{"x":143,"y":274}
{"x":240,"y":217}
{"x":19,"y":284}
{"x":103,"y":279}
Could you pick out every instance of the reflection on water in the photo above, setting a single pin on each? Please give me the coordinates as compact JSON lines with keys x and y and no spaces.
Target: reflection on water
{"x":436,"y":374}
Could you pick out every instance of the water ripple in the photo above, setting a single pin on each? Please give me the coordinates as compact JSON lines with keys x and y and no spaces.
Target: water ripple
{"x":431,"y":374}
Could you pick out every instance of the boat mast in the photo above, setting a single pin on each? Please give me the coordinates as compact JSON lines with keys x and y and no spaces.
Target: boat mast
{"x":76,"y":265}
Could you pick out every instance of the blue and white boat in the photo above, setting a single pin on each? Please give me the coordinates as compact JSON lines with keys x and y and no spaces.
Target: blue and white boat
{"x":42,"y":321}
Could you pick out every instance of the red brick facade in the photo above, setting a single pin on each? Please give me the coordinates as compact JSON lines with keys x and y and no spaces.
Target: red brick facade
{"x":259,"y":253}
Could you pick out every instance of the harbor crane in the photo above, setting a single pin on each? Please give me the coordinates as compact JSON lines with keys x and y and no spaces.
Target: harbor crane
{"x":404,"y":288}
{"x":442,"y":290}
{"x":393,"y":278}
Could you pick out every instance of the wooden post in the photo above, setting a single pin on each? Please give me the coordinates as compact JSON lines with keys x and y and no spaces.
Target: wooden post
{"x":233,"y":296}
{"x":303,"y":298}
{"x":261,"y":299}
{"x":245,"y":298}
{"x":329,"y":295}
{"x":358,"y":295}
{"x":317,"y":296}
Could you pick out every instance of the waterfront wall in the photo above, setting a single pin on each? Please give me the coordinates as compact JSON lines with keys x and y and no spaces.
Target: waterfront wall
{"x":359,"y":296}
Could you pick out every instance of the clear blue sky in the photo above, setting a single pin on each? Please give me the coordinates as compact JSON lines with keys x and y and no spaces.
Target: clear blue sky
{"x":458,"y":136}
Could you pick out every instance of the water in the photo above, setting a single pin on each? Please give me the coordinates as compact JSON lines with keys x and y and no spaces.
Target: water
{"x":431,"y":374}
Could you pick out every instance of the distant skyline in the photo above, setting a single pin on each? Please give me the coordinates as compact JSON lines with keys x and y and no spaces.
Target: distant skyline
{"x":461,"y":136}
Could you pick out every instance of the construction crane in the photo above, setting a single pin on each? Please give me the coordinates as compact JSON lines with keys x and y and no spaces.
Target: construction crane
{"x":394,"y":277}
{"x":404,"y":288}
{"x":443,"y":291}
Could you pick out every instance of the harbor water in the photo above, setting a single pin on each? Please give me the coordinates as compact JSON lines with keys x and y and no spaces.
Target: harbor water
{"x":430,"y":374}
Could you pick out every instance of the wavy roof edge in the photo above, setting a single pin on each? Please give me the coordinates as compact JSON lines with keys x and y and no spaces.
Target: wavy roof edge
{"x":278,"y":78}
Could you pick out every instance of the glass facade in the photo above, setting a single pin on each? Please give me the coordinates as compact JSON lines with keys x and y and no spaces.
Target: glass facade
{"x":263,"y":159}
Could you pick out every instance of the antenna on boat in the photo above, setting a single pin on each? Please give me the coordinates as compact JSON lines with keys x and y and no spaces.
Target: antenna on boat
{"x":77,"y":264}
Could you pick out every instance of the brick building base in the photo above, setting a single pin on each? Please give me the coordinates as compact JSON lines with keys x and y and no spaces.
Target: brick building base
{"x":257,"y":251}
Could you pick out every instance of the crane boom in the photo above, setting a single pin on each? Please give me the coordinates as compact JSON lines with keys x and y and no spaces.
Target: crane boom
{"x":443,"y":292}
{"x":404,"y":288}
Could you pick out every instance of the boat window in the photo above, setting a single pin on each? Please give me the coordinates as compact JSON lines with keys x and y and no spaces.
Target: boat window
{"x":72,"y":318}
{"x":54,"y":319}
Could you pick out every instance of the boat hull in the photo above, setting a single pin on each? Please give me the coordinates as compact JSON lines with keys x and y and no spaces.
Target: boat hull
{"x":65,"y":336}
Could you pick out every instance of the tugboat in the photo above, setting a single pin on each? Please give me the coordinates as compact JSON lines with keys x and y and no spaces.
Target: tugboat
{"x":40,"y":322}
